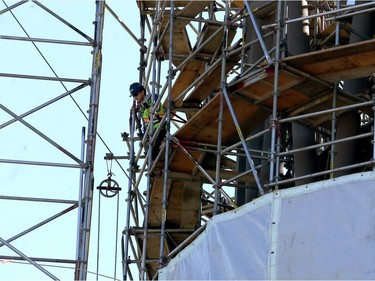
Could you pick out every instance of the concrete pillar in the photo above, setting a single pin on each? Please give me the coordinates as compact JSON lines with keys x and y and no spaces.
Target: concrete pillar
{"x":298,"y":43}
{"x":349,"y":123}
{"x":298,"y":40}
{"x":305,"y":162}
{"x":243,"y":195}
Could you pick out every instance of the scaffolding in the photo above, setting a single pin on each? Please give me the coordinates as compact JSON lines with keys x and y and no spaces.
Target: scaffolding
{"x":45,"y":92}
{"x":246,"y":108}
{"x":247,"y":113}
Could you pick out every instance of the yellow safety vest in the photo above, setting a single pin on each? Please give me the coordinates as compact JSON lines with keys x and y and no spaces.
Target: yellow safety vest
{"x":145,"y":110}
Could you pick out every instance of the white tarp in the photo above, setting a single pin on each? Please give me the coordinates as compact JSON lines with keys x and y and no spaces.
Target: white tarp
{"x":324,"y":230}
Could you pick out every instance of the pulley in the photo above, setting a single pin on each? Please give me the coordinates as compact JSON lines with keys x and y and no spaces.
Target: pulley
{"x":109,"y":187}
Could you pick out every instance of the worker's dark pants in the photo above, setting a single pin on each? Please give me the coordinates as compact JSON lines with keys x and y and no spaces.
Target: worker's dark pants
{"x":158,"y":141}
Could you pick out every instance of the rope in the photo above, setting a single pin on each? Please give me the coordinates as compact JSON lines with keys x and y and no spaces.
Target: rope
{"x":109,"y":173}
{"x":98,"y":237}
{"x":116,"y":233}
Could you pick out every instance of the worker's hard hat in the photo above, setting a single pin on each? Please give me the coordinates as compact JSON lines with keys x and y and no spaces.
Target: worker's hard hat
{"x":135,"y":88}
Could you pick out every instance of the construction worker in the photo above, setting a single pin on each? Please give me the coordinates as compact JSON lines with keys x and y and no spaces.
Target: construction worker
{"x":144,"y":103}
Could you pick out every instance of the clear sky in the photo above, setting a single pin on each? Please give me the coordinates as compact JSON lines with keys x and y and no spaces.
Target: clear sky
{"x":62,"y":122}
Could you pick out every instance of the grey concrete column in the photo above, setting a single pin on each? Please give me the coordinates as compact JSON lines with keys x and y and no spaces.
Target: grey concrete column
{"x":348,"y":124}
{"x":305,"y":162}
{"x":298,"y":43}
{"x":243,"y":195}
{"x":298,"y":40}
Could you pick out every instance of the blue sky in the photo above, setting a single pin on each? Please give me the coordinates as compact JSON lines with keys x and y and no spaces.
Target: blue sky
{"x":62,"y":122}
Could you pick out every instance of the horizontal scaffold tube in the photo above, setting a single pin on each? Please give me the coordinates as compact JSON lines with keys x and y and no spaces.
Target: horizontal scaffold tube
{"x":322,"y":14}
{"x":370,"y":163}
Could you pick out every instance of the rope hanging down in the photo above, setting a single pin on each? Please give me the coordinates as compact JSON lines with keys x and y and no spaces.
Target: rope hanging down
{"x":108,"y":188}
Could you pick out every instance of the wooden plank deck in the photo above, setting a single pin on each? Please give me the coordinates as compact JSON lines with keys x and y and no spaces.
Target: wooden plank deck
{"x":339,"y":63}
{"x":181,"y":42}
{"x":195,"y":67}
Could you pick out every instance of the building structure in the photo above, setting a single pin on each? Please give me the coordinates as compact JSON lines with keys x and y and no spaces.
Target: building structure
{"x":262,"y":110}
{"x":257,"y":100}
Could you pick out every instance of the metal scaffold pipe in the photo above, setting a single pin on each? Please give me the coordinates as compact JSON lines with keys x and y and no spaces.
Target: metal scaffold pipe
{"x":68,"y":93}
{"x":334,"y":101}
{"x":88,"y":38}
{"x":132,"y":167}
{"x":19,"y":119}
{"x":14,"y":249}
{"x":149,"y":135}
{"x":180,"y":146}
{"x":164,"y":202}
{"x":336,"y":11}
{"x":86,"y":82}
{"x":350,"y":14}
{"x":217,"y":185}
{"x":13,"y":6}
{"x":356,"y":137}
{"x":370,"y":163}
{"x":125,"y":27}
{"x":84,"y":239}
{"x":373,"y":128}
{"x":42,"y":40}
{"x":273,"y":158}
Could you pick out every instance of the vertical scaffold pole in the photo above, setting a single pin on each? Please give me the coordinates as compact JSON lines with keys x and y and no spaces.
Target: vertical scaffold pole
{"x":168,"y":138}
{"x":142,"y":51}
{"x":334,"y":102}
{"x":220,"y":119}
{"x":150,"y":127}
{"x":88,"y":187}
{"x":80,"y":192}
{"x":132,"y":170}
{"x":274,"y":119}
{"x":373,"y":128}
{"x":243,"y":51}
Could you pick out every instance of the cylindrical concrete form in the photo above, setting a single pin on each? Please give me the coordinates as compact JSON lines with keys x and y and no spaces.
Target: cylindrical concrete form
{"x":298,"y":43}
{"x":363,"y":26}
